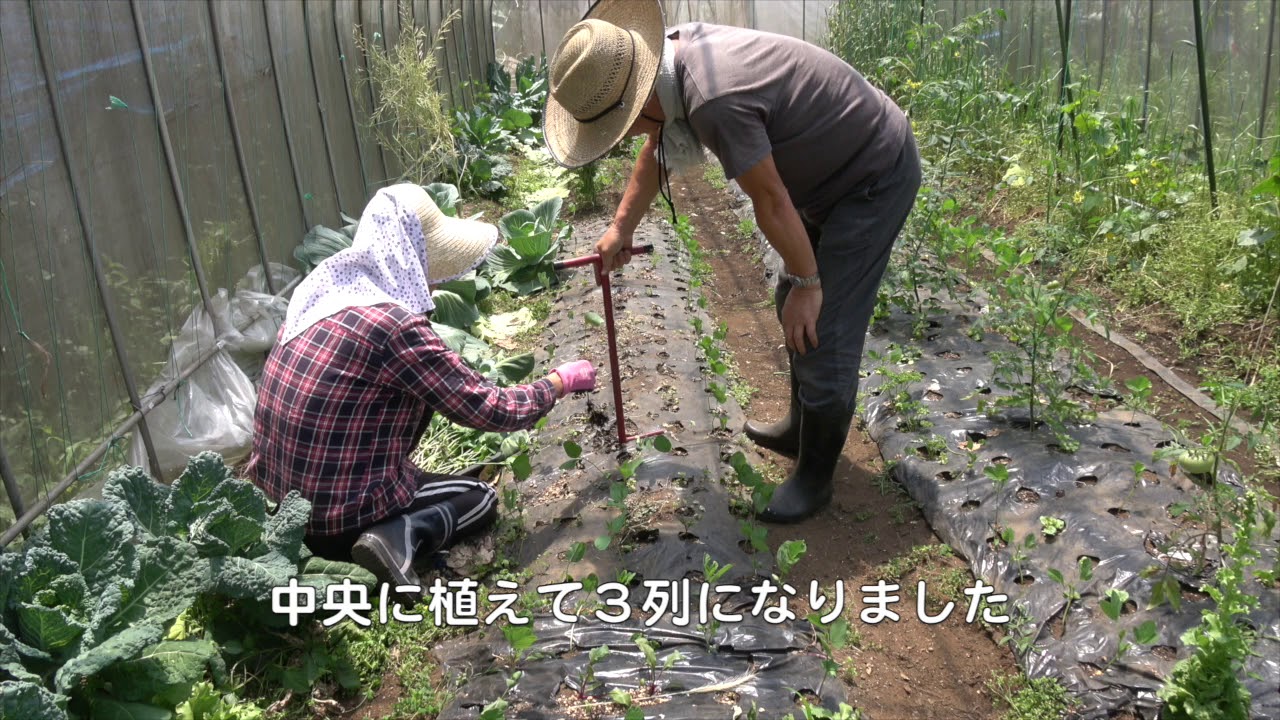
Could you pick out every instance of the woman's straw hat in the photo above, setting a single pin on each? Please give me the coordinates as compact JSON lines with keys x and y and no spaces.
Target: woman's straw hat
{"x":454,"y":246}
{"x":601,"y":77}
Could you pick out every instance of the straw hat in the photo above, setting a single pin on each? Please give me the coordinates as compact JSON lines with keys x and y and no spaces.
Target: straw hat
{"x":454,"y":246}
{"x":601,"y":77}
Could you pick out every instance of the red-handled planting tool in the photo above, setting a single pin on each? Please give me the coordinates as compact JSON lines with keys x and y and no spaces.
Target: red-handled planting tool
{"x":595,"y":262}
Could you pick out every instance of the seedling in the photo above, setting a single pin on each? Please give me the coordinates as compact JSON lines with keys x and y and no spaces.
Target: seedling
{"x":1069,"y":589}
{"x":1052,"y":526}
{"x":520,"y":638}
{"x":1112,"y":605}
{"x":789,"y":553}
{"x":832,"y":636}
{"x":653,"y":666}
{"x":587,"y":680}
{"x":712,"y":571}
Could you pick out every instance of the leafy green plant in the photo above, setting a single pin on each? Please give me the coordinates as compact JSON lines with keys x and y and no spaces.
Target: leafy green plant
{"x":524,"y":264}
{"x":520,"y":638}
{"x":761,"y":492}
{"x":1035,"y":317}
{"x":1030,"y":699}
{"x":321,"y":242}
{"x":712,"y":571}
{"x":653,"y":666}
{"x":832,"y":636}
{"x":1112,"y":605}
{"x":1052,"y":526}
{"x":1071,"y":591}
{"x":789,"y":553}
{"x":97,"y":591}
{"x":587,"y":682}
{"x":1206,"y":684}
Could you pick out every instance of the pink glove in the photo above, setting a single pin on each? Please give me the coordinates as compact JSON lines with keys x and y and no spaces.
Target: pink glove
{"x":577,"y":376}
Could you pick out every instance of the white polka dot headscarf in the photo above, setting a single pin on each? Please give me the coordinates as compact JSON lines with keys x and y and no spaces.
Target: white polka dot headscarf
{"x":403,"y":244}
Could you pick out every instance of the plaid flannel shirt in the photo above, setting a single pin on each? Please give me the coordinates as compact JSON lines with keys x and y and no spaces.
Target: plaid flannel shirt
{"x":341,"y":407}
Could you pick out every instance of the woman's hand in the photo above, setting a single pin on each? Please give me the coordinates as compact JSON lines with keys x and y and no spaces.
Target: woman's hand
{"x":576,"y":376}
{"x":800,"y":318}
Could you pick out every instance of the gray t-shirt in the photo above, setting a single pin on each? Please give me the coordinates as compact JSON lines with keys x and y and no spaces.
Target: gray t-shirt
{"x":748,"y":93}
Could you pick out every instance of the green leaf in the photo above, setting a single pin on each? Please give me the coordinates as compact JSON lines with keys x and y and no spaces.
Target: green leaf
{"x":453,"y":310}
{"x":204,"y":473}
{"x":121,"y":646}
{"x":320,"y":573}
{"x":1146,"y":633}
{"x":169,"y":576}
{"x":620,"y":697}
{"x":1086,"y":569}
{"x":217,"y":529}
{"x":515,"y":368}
{"x":1056,"y":576}
{"x":593,"y":319}
{"x":838,"y":633}
{"x":51,"y":629}
{"x":521,"y":467}
{"x":496,"y":710}
{"x":445,"y":196}
{"x":286,"y":528}
{"x":251,"y":579}
{"x":520,"y":638}
{"x":29,"y":701}
{"x":789,"y":553}
{"x":597,"y":654}
{"x":517,"y":223}
{"x":634,"y":713}
{"x":577,"y":551}
{"x":603,"y":541}
{"x":1138,"y":385}
{"x":1112,"y":603}
{"x":96,"y":535}
{"x":105,"y":708}
{"x":165,"y":672}
{"x":116,"y":103}
{"x":547,"y":211}
{"x":572,"y":449}
{"x":662,"y":443}
{"x":143,"y":498}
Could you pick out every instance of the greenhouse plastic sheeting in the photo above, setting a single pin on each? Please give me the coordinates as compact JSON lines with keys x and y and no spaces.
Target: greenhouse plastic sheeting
{"x":1121,"y":521}
{"x":679,"y":510}
{"x":213,"y":408}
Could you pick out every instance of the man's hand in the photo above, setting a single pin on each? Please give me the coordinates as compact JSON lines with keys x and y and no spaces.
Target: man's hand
{"x":614,"y":248}
{"x":800,"y":318}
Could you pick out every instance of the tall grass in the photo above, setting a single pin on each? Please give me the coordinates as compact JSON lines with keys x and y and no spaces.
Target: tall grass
{"x":410,"y":118}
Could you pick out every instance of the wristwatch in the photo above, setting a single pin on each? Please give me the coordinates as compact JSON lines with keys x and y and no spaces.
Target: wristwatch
{"x":811,"y":281}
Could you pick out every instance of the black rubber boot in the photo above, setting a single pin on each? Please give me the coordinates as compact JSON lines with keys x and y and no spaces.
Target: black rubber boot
{"x":387,"y":549}
{"x":782,"y":437}
{"x":808,"y":490}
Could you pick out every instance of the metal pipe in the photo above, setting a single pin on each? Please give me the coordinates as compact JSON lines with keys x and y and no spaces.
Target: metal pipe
{"x":170,"y":159}
{"x":138,"y":418}
{"x":1204,"y":104}
{"x":11,"y":485}
{"x":324,"y":117}
{"x":236,"y":142}
{"x":91,"y":248}
{"x":284,"y":118}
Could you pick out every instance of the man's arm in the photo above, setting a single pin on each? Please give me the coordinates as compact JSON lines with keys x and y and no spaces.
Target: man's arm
{"x":782,"y":227}
{"x":615,"y":245}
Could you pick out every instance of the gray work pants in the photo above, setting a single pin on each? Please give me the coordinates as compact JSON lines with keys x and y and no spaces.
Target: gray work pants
{"x":852,"y":247}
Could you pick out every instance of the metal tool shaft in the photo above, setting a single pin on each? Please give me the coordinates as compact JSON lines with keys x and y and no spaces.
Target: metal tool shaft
{"x":607,"y":288}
